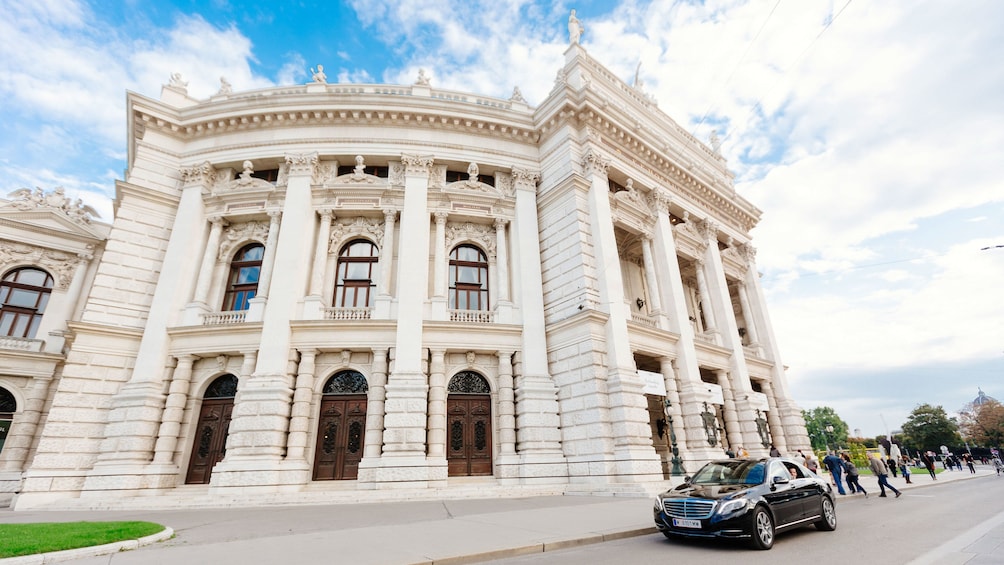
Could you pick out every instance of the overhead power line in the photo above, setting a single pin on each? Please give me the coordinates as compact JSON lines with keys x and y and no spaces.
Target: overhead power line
{"x":797,"y":60}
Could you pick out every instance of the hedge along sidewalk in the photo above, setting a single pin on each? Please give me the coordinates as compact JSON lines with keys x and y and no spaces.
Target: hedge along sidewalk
{"x":88,"y":551}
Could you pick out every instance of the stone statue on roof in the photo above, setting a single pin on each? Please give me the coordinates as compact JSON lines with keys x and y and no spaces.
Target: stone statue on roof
{"x":423,"y":79}
{"x":318,"y":75}
{"x":575,"y":29}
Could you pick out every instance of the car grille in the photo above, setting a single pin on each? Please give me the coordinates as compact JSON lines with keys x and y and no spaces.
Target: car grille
{"x":689,"y":508}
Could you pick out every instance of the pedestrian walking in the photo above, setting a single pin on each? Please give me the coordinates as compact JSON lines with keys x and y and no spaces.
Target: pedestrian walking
{"x":928,"y":461}
{"x":998,"y":465}
{"x":882,"y":472}
{"x":852,"y":475}
{"x":800,"y":458}
{"x":835,"y":467}
{"x":891,"y":465}
{"x":904,"y":468}
{"x":811,"y":463}
{"x":969,"y":463}
{"x":774,"y":452}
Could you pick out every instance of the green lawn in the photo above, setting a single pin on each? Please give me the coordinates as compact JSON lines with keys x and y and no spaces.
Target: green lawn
{"x":28,"y":539}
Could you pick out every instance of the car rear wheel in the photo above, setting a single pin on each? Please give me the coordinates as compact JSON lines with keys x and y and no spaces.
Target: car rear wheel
{"x":828,"y":522}
{"x":763,"y":529}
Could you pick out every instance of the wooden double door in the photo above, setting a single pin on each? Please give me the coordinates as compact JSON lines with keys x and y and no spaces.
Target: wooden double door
{"x":469,"y":434}
{"x":210,"y":439}
{"x":341,"y":431}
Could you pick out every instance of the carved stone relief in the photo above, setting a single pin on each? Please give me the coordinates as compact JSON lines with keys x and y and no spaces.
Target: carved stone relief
{"x":342,"y":230}
{"x":78,"y":212}
{"x":59,"y":264}
{"x":236,"y":235}
{"x":481,"y":235}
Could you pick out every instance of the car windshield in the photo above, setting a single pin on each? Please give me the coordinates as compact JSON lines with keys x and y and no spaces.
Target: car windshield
{"x":730,"y":473}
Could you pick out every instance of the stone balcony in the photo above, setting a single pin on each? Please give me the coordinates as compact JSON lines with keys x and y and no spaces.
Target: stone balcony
{"x":8,"y":343}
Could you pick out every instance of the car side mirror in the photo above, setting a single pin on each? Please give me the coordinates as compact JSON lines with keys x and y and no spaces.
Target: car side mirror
{"x":687,"y":479}
{"x":781,"y":480}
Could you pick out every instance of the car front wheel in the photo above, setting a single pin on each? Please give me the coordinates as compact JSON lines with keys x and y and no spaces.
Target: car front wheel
{"x":828,"y":522}
{"x":763,"y":529}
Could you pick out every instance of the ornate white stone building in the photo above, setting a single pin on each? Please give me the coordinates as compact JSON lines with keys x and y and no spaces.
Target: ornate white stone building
{"x":346,"y":291}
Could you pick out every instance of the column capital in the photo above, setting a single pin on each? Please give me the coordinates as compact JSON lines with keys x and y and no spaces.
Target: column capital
{"x":708,"y":230}
{"x":441,"y":217}
{"x":389,"y":214}
{"x":274,"y":215}
{"x":218,"y":221}
{"x":302,"y":164}
{"x":662,"y":198}
{"x":525,"y":179}
{"x":416,"y":164}
{"x":595,"y":163}
{"x":500,"y":223}
{"x":198,"y":175}
{"x":327,"y":213}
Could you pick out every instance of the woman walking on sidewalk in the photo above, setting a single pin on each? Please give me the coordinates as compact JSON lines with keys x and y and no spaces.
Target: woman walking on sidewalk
{"x":904,"y":467}
{"x":852,"y":475}
{"x":879,"y":469}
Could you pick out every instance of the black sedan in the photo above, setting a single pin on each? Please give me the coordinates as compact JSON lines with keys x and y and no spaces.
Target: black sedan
{"x":746,"y":499}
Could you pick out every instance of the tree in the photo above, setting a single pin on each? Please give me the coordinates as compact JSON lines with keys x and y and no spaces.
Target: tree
{"x":817,"y":422}
{"x":983,"y":424}
{"x":929,"y":427}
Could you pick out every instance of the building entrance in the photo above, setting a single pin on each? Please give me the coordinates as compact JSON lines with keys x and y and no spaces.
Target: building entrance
{"x":210,"y":445}
{"x":341,"y":427}
{"x":469,"y":426}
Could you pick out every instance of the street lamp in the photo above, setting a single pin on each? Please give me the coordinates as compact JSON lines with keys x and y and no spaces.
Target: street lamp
{"x":829,"y":430}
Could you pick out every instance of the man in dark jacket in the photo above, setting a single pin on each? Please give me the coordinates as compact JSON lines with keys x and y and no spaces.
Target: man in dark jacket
{"x":836,"y":469}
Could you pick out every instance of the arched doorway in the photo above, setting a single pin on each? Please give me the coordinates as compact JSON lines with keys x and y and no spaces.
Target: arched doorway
{"x":341,"y":427}
{"x":210,"y":443}
{"x":469,"y":425}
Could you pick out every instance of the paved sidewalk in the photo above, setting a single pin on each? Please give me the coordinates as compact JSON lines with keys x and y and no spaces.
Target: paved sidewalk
{"x":438,"y":532}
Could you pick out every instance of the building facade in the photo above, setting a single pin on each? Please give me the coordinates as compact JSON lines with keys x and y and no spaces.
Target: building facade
{"x":323,"y":289}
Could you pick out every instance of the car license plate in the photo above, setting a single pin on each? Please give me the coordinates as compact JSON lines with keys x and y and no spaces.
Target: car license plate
{"x":686,"y":523}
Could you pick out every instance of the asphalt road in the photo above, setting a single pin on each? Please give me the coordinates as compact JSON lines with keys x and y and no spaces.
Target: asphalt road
{"x":888,"y":531}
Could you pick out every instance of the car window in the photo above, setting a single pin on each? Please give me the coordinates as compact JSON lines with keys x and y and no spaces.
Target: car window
{"x":777,"y":469}
{"x":730,"y":473}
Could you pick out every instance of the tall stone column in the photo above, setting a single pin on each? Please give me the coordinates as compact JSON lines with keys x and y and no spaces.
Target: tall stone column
{"x":634,"y":458}
{"x":437,"y":405}
{"x":303,"y":395}
{"x":200,"y":299}
{"x":313,"y":304}
{"x":748,"y":319}
{"x":502,"y":251}
{"x":706,"y":302}
{"x":257,"y":440}
{"x":651,"y":279}
{"x":731,"y":416}
{"x":256,"y":306}
{"x":507,"y":404}
{"x":174,"y":410}
{"x":440,"y":266}
{"x":674,"y":411}
{"x":382,"y":302}
{"x":375,"y":399}
{"x":774,"y":420}
{"x":538,"y":436}
{"x":721,"y":302}
{"x":674,"y":295}
{"x":404,"y":450}
{"x":124,"y":457}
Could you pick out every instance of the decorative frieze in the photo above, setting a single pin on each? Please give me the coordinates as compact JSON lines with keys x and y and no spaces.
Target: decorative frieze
{"x":223,"y":182}
{"x":59,"y":264}
{"x":483,"y":236}
{"x":237,"y":234}
{"x":344,"y":229}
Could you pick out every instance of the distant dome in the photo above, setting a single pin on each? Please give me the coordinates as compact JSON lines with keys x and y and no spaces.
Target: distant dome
{"x":982,"y":398}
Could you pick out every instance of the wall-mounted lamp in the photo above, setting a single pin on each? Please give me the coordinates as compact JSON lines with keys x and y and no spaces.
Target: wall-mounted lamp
{"x":640,"y":302}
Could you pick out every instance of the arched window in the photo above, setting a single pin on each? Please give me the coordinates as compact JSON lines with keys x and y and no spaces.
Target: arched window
{"x":244,"y":272}
{"x":468,"y":278}
{"x":223,"y":387}
{"x":8,"y":405}
{"x":354,"y":284}
{"x":468,"y":382}
{"x":346,"y":382}
{"x":23,"y":296}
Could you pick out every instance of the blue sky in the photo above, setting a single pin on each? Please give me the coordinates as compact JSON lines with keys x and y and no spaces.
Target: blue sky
{"x":869,"y":133}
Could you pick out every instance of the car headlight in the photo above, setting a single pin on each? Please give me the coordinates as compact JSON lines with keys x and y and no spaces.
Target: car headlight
{"x":730,"y":506}
{"x":658,"y":504}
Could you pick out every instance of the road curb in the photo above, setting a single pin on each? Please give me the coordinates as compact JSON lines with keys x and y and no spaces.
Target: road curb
{"x":93,"y":551}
